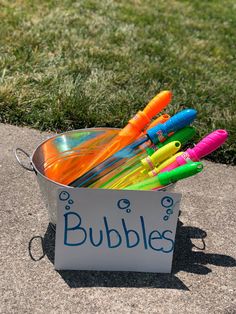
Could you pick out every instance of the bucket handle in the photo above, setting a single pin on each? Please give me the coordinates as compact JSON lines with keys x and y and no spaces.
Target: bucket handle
{"x":29,"y":168}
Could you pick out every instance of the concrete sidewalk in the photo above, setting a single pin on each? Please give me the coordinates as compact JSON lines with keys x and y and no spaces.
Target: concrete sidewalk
{"x":203,"y":278}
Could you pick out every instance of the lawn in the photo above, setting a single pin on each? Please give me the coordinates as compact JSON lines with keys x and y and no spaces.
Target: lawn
{"x":75,"y":64}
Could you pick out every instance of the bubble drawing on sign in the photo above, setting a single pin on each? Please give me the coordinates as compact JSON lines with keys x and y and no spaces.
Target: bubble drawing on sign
{"x":65,"y":196}
{"x":124,"y":204}
{"x":168,"y":203}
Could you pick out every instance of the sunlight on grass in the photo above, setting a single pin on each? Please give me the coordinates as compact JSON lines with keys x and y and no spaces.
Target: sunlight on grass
{"x":75,"y":64}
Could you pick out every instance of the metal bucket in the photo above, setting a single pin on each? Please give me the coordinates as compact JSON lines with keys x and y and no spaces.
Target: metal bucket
{"x":62,"y":149}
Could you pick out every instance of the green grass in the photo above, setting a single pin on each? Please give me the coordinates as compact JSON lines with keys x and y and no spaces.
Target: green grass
{"x":75,"y":64}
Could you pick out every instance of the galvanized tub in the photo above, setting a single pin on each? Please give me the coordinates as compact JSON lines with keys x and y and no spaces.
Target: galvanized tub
{"x":59,"y":150}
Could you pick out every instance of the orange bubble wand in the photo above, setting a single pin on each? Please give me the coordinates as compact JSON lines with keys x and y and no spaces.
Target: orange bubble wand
{"x":131,"y":131}
{"x":59,"y":166}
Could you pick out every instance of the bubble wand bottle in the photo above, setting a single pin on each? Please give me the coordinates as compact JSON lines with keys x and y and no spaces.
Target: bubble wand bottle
{"x":131,"y":151}
{"x":154,"y":136}
{"x":62,"y":169}
{"x":134,"y":172}
{"x":206,"y":146}
{"x":130,"y":132}
{"x":183,"y":136}
{"x":166,"y":178}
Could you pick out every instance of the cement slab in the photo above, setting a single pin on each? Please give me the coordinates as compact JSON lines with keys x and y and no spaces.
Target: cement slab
{"x":203,"y":278}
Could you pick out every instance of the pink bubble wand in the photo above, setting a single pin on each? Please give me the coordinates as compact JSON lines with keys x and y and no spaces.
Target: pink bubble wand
{"x":206,"y":146}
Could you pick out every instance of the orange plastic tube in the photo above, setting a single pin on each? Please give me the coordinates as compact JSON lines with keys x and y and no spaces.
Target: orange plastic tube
{"x":67,"y":173}
{"x":130,"y":132}
{"x":59,"y":166}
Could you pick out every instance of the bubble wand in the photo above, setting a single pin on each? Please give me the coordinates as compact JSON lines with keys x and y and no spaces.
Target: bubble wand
{"x":130,"y":132}
{"x":166,"y":178}
{"x":207,"y":145}
{"x":154,"y":136}
{"x":120,"y":178}
{"x":183,"y":136}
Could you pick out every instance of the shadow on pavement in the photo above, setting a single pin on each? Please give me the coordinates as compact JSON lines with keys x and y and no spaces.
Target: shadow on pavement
{"x":185,"y":259}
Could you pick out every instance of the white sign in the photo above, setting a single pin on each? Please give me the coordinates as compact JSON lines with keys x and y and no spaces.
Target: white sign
{"x":116,"y":230}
